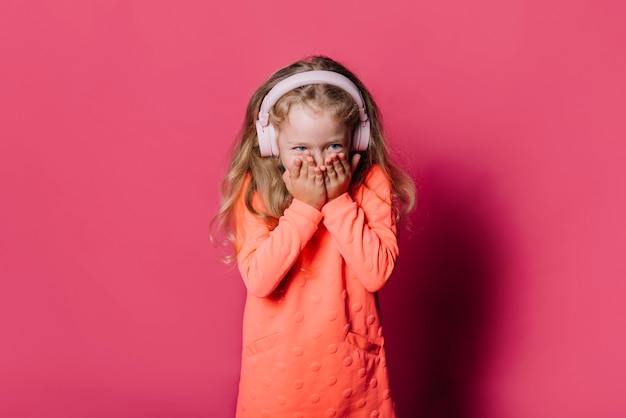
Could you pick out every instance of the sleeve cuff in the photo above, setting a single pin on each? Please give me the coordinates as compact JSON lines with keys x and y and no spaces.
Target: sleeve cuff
{"x":304,"y":210}
{"x":338,"y":206}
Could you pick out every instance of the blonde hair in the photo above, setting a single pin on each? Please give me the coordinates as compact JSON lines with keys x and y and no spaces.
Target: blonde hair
{"x":265,"y":173}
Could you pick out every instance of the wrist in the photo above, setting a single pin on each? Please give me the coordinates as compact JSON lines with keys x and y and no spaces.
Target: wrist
{"x":315,"y":204}
{"x":337,"y":202}
{"x":335,"y":195}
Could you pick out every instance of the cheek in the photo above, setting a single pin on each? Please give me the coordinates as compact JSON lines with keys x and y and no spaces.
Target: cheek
{"x":287,"y":161}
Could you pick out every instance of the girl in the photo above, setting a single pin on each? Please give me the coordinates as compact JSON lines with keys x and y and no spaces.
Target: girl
{"x":310,"y":204}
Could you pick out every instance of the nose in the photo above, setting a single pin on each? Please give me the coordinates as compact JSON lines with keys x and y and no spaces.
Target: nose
{"x":318,"y":157}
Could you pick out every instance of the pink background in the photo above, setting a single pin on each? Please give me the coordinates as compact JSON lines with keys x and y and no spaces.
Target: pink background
{"x":115,"y":121}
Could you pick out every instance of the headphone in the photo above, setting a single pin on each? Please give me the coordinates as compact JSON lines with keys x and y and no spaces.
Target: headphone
{"x":266,"y":132}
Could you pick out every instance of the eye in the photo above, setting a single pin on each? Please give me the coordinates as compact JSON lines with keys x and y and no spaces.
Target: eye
{"x":335,"y":147}
{"x":300,"y":148}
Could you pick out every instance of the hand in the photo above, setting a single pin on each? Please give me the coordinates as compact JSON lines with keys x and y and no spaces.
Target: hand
{"x":338,"y":173}
{"x":305,"y":181}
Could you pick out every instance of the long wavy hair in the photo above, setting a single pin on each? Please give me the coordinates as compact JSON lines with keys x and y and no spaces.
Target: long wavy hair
{"x":265,"y":173}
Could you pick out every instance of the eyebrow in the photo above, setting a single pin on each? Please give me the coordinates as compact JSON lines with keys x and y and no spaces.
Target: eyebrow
{"x":333,"y":140}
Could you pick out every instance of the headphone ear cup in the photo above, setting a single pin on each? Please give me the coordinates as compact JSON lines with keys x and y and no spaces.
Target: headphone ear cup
{"x":267,"y":139}
{"x":361,"y":136}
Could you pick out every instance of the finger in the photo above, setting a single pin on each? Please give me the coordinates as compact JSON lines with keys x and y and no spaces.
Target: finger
{"x":311,"y":161}
{"x":311,"y":169}
{"x":341,"y":165}
{"x":329,"y":164}
{"x":344,"y":161}
{"x":311,"y":166}
{"x":328,"y":174}
{"x":308,"y":157}
{"x":355,"y":161}
{"x":330,"y":169}
{"x":320,"y":178}
{"x":296,"y":168}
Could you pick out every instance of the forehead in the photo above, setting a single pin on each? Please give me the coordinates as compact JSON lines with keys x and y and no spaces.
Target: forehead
{"x":309,"y":123}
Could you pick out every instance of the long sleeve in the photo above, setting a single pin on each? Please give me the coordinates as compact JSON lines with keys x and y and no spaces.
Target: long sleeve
{"x":265,"y":256}
{"x":365,"y":232}
{"x":315,"y":346}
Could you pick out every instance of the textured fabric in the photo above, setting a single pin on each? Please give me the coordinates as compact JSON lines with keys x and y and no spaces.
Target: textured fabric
{"x":312,"y":337}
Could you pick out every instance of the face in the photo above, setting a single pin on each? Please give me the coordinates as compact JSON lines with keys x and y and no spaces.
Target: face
{"x":306,"y":128}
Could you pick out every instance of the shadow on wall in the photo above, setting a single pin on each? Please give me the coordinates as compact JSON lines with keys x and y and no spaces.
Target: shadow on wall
{"x":438,"y":310}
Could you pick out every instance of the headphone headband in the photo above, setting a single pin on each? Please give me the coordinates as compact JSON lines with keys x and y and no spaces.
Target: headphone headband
{"x":266,"y":131}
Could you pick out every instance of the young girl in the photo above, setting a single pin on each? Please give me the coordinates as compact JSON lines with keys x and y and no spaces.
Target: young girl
{"x":310,"y":204}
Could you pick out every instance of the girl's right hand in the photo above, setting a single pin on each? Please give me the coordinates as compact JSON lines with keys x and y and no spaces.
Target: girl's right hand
{"x":305,"y":181}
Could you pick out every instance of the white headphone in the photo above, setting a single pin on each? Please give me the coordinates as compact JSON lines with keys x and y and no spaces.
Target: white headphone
{"x":266,"y":132}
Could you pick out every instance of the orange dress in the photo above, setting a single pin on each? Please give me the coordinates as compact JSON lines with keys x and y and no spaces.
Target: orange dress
{"x":312,"y":338}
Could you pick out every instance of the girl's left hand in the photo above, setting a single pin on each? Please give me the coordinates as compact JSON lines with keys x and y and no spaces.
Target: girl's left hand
{"x":338,"y":173}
